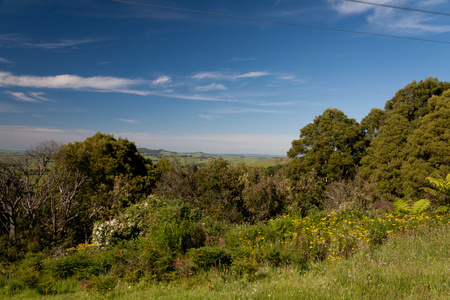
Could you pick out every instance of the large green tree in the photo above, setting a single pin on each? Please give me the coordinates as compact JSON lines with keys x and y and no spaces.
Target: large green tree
{"x":332,"y":145}
{"x":117,"y":174}
{"x":429,"y":144}
{"x":412,"y":141}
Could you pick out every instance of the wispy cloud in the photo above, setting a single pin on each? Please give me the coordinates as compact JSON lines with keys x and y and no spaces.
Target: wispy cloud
{"x":66,"y":43}
{"x":194,"y":97}
{"x":252,"y":75}
{"x":68,"y":82}
{"x":210,"y":75}
{"x":20,"y":40}
{"x":210,"y":87}
{"x":292,"y":78}
{"x":94,"y":84}
{"x":286,"y":103}
{"x":32,"y":97}
{"x":21,"y":97}
{"x":5,"y":61}
{"x":162,"y":80}
{"x":38,"y":95}
{"x":225,"y":76}
{"x":240,"y":110}
{"x":394,"y":19}
{"x":208,"y":117}
{"x":129,"y":121}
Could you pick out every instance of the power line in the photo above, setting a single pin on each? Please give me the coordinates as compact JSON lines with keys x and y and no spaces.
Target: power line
{"x":281,"y":22}
{"x":403,"y":8}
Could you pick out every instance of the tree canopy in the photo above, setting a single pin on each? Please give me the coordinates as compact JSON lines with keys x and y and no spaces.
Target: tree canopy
{"x":332,"y":145}
{"x":413,"y":140}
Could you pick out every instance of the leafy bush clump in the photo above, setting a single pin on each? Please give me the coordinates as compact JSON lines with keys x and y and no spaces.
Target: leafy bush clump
{"x":206,"y":257}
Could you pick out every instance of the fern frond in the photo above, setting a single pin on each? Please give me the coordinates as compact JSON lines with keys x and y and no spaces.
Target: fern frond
{"x":402,"y":206}
{"x":442,"y":209}
{"x":430,"y":190}
{"x":420,"y":206}
{"x":441,"y":184}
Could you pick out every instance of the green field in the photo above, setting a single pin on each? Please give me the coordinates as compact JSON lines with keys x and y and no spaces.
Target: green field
{"x":201,"y":159}
{"x":9,"y":152}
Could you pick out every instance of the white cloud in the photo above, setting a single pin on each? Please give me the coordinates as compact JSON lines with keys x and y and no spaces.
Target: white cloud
{"x":208,"y":117}
{"x":411,"y":23}
{"x":394,"y":19}
{"x":209,"y":75}
{"x":240,"y":110}
{"x":292,"y":78}
{"x":129,"y":121}
{"x":210,"y":87}
{"x":19,"y":40}
{"x":61,"y":44}
{"x":21,"y":97}
{"x":279,"y":103}
{"x":65,"y":81}
{"x":252,"y":75}
{"x":223,"y":76}
{"x":38,"y":95}
{"x":162,"y":80}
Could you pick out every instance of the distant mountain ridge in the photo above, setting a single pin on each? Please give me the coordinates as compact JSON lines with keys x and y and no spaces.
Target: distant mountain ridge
{"x":162,"y":152}
{"x":155,"y":151}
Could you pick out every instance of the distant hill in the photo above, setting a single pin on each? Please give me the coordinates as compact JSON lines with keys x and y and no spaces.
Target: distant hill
{"x":159,"y":152}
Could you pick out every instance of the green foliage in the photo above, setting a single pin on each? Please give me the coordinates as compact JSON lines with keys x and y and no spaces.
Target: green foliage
{"x":227,"y":193}
{"x":206,"y":257}
{"x":417,"y":207}
{"x":103,"y":283}
{"x":332,"y":145}
{"x":372,"y":122}
{"x":356,"y":194}
{"x":386,"y":155}
{"x":308,"y":191}
{"x":265,"y":196}
{"x":412,"y":101}
{"x":441,"y":185}
{"x":413,"y":140}
{"x":116,"y":173}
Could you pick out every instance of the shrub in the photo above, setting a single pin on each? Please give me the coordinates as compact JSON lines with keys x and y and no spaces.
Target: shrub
{"x":103,"y":283}
{"x":245,"y":267}
{"x":356,"y":194}
{"x":206,"y":257}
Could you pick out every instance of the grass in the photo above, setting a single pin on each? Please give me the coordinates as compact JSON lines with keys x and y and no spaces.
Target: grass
{"x":411,"y":264}
{"x":204,"y":159}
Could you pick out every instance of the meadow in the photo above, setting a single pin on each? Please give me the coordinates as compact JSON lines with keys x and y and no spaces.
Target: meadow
{"x":345,"y":255}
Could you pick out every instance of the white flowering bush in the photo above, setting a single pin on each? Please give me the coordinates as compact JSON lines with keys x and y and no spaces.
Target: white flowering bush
{"x":125,"y":226}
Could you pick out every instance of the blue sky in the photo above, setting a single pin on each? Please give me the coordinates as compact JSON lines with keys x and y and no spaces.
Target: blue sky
{"x":186,"y":81}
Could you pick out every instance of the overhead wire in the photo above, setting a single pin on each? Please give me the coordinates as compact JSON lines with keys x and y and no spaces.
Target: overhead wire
{"x":281,"y":22}
{"x":403,"y":8}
